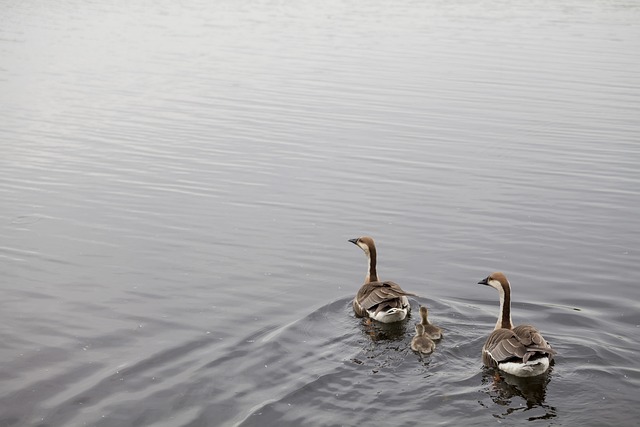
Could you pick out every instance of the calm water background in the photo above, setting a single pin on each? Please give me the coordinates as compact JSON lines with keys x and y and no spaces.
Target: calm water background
{"x":178,"y":184}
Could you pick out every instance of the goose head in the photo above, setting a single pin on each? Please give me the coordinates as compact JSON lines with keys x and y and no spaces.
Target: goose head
{"x":365,"y":243}
{"x":496,"y":280}
{"x":419,"y":329}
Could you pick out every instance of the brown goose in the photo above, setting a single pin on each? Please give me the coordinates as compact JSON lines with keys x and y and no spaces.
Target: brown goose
{"x":432,"y":331}
{"x":382,"y":301}
{"x":520,"y":351}
{"x":420,"y":342}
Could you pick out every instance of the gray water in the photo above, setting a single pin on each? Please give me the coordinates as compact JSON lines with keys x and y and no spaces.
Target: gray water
{"x":178,"y":183}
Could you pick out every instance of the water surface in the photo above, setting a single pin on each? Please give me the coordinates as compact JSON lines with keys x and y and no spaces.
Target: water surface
{"x":179,"y":182}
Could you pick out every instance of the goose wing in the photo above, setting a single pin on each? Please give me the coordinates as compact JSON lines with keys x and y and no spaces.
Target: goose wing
{"x":522,"y":342}
{"x":374,"y":293}
{"x":533,"y":341}
{"x":503,"y":344}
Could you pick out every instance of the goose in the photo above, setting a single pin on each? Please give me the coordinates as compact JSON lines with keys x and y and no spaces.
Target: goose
{"x":519,"y":351}
{"x":432,"y":331}
{"x":421,"y":343}
{"x":385,"y":302}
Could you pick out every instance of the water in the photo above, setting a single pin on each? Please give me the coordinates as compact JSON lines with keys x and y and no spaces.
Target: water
{"x":179,"y":183}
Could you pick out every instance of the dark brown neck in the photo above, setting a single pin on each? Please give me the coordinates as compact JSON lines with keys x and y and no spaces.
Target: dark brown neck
{"x":506,"y":309}
{"x":373,"y":275}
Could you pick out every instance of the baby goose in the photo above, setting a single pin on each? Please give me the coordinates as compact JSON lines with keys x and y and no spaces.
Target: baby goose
{"x":385,"y":302}
{"x":432,"y":331}
{"x":421,"y":343}
{"x":520,"y":351}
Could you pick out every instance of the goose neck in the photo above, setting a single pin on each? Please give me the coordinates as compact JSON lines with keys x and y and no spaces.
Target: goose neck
{"x":372,"y":275}
{"x":504,"y":317}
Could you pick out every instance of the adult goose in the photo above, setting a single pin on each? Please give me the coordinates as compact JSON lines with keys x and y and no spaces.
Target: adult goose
{"x":382,"y":301}
{"x":432,"y":331}
{"x":520,"y":351}
{"x":421,"y":343}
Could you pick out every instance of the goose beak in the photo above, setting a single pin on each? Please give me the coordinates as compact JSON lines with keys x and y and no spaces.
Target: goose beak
{"x":484,"y":281}
{"x":354,"y":241}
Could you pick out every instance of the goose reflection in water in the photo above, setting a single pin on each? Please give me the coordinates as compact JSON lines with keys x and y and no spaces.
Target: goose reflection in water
{"x":379,"y":331}
{"x":506,"y":391}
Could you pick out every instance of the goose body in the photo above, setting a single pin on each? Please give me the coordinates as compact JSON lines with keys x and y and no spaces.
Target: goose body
{"x":520,"y":350}
{"x":421,"y":343}
{"x":386,"y":301}
{"x":431,"y":331}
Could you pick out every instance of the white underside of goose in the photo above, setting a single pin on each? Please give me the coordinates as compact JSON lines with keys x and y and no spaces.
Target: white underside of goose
{"x":531,"y":368}
{"x":389,"y":316}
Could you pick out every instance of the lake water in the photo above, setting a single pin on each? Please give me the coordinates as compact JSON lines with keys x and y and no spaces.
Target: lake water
{"x":179,"y":181}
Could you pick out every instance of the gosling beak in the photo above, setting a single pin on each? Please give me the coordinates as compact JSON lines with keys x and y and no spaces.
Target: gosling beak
{"x":484,"y":281}
{"x":354,"y":241}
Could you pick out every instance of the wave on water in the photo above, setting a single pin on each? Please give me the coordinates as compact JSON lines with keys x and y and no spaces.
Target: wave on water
{"x":331,"y":368}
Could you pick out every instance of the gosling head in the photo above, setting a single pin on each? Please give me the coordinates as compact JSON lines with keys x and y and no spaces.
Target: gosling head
{"x":419,"y":329}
